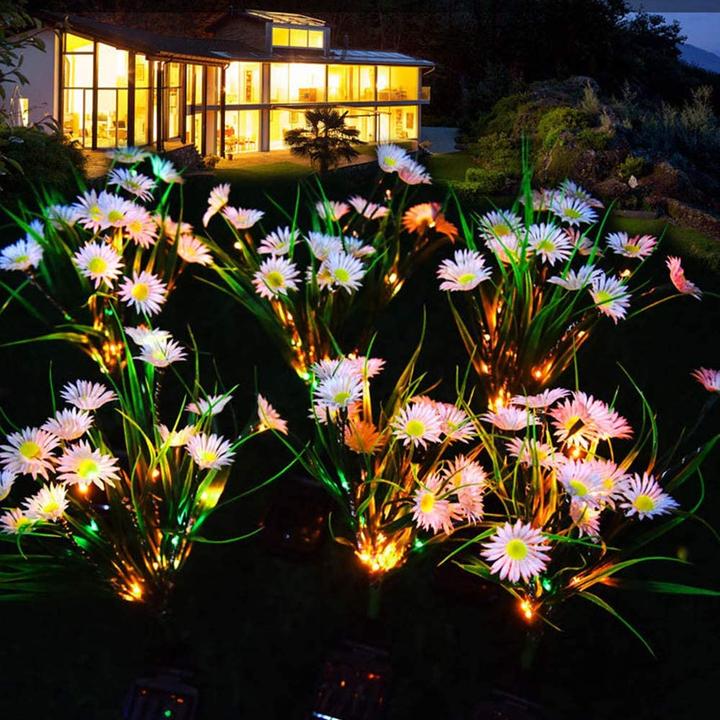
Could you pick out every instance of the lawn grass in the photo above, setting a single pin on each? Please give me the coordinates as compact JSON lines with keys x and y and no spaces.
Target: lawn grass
{"x":449,"y":166}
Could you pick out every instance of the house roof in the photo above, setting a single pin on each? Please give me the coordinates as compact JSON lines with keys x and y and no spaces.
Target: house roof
{"x":174,"y":37}
{"x":284,"y":18}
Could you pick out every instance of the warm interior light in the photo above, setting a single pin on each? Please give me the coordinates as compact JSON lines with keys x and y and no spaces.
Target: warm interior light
{"x":526,"y":609}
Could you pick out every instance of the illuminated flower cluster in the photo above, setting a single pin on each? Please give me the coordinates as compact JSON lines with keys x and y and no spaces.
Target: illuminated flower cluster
{"x":392,"y":158}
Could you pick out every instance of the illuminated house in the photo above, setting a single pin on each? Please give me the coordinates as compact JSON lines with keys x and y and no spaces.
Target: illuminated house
{"x":228,"y":82}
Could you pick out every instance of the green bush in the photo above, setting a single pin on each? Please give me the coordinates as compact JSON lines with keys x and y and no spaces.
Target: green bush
{"x":558,"y":121}
{"x":631,"y":165}
{"x":37,"y":159}
{"x":487,"y":181}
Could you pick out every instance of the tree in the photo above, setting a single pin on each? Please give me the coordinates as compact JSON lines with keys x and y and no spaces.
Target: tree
{"x":326,"y":140}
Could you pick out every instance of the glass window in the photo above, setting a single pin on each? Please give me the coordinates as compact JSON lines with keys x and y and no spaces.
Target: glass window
{"x":397,"y":123}
{"x":280,"y":36}
{"x":316,"y":39}
{"x":143,"y":108}
{"x":242,"y":83}
{"x":112,"y":96}
{"x":77,"y":44}
{"x":397,"y":83}
{"x":299,"y":38}
{"x":364,"y":120}
{"x":242,"y":131}
{"x":351,"y":83}
{"x":77,"y":96}
{"x":280,"y":122}
{"x":297,"y":82}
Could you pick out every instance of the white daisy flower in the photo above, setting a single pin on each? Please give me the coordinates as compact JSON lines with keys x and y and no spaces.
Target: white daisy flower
{"x":432,"y":511}
{"x":130,"y":180}
{"x":278,"y":242}
{"x":370,"y":210}
{"x":531,"y":452}
{"x":49,"y":503}
{"x":84,"y":466}
{"x":61,"y":216}
{"x":14,"y":521}
{"x":362,"y":367}
{"x":210,"y":452}
{"x":141,"y":227}
{"x":639,"y":246}
{"x":417,"y":424}
{"x":355,"y":247}
{"x":114,"y":209}
{"x":129,"y":155}
{"x":709,"y":379}
{"x":7,"y":480}
{"x":143,"y":335}
{"x":572,"y":210}
{"x":174,"y":437}
{"x":331,"y":210}
{"x":497,"y":224}
{"x":455,"y":423}
{"x":612,"y":480}
{"x":549,"y":242}
{"x":465,"y":272}
{"x":510,"y":418}
{"x":391,"y":157}
{"x":517,"y":552}
{"x":88,"y":210}
{"x":338,"y":391}
{"x":275,"y":276}
{"x":162,"y":353}
{"x":645,"y":498}
{"x":413,"y":173}
{"x":172,"y":229}
{"x":21,"y":255}
{"x":573,"y":280}
{"x":98,"y":262}
{"x":469,"y":480}
{"x":87,"y":395}
{"x":217,"y":200}
{"x":269,"y":417}
{"x":610,"y":296}
{"x":586,"y":518}
{"x":29,"y":452}
{"x":571,"y":189}
{"x":69,"y":424}
{"x":541,"y":400}
{"x":346,"y":271}
{"x":508,"y":248}
{"x":322,"y":245}
{"x":211,"y":405}
{"x":581,"y":481}
{"x":145,"y":292}
{"x":164,"y":170}
{"x":193,"y":250}
{"x":242,"y":218}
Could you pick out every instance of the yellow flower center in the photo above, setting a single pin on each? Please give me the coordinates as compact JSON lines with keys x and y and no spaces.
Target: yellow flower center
{"x":390,"y":161}
{"x":88,"y":469}
{"x":579,"y":487}
{"x":427,"y":503}
{"x":275,"y":279}
{"x":502,"y":229}
{"x":141,"y":292}
{"x":30,"y":450}
{"x":466,"y":278}
{"x":644,"y":503}
{"x":134,"y":226}
{"x":516,"y":549}
{"x":22,"y":259}
{"x":95,"y":212}
{"x":415,"y":428}
{"x":115,"y":216}
{"x":608,"y":483}
{"x":97,"y":266}
{"x":572,"y":213}
{"x":632,"y":248}
{"x":208,"y":456}
{"x":603,"y":296}
{"x":21,"y":522}
{"x":51,"y":507}
{"x":341,"y":275}
{"x":546,"y":245}
{"x":341,"y":398}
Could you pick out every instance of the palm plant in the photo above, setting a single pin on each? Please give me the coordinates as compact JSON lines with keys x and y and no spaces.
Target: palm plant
{"x":326,"y":140}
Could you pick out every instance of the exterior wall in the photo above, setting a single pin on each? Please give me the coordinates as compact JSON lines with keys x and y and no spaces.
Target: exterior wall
{"x":250,"y":32}
{"x":41,"y":70}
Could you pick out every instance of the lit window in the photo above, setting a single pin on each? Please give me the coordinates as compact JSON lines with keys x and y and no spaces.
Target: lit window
{"x":298,"y":38}
{"x":316,"y":39}
{"x":280,"y":36}
{"x":77,"y":44}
